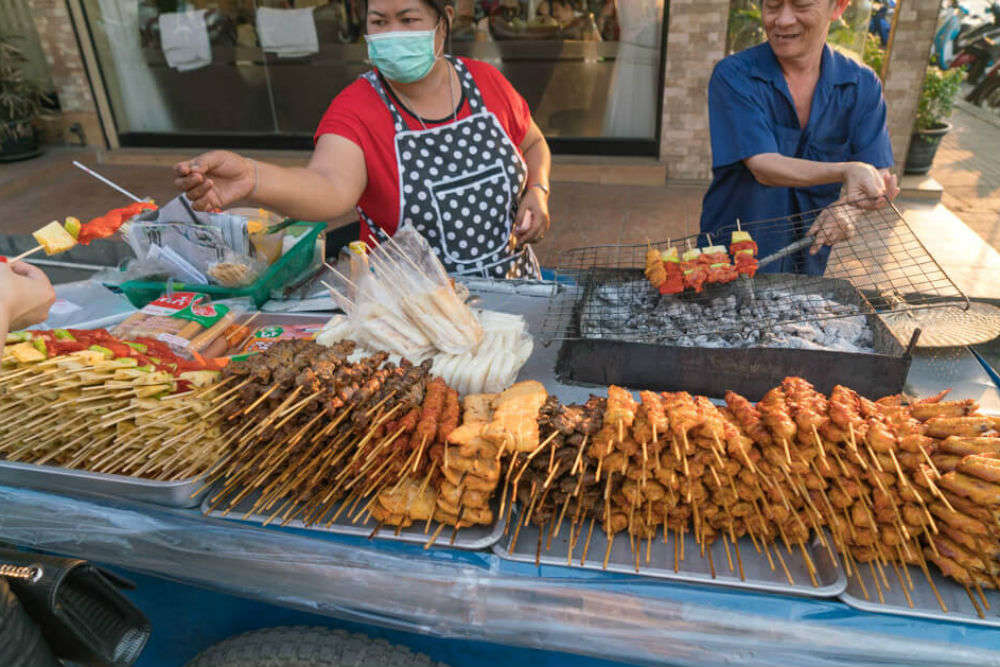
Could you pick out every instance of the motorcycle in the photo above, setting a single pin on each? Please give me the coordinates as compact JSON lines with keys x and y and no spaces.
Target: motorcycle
{"x":978,"y":57}
{"x":988,"y":90}
{"x":947,"y":33}
{"x":990,"y":29}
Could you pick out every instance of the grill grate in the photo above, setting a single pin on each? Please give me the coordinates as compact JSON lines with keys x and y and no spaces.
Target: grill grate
{"x":601,"y":291}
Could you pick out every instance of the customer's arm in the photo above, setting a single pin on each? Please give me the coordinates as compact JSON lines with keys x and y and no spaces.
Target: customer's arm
{"x":25,"y":296}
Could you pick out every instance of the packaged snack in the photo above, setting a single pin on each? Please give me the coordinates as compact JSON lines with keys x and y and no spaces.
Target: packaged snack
{"x":185,"y":321}
{"x":265,"y":337}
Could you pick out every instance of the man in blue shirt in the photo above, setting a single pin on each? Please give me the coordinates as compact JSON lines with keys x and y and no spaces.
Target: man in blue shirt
{"x":793,"y":123}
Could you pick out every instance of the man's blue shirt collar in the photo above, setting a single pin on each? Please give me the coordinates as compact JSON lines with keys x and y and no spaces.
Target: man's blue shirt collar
{"x":834,"y":69}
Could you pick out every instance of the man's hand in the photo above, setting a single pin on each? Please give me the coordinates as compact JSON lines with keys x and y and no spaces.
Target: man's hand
{"x":216,"y":179}
{"x":867,"y":187}
{"x":25,"y":295}
{"x":532,"y":217}
{"x":832,"y":225}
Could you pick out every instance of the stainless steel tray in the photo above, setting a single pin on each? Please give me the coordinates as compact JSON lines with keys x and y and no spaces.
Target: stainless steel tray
{"x":472,"y":538}
{"x":757,"y":573}
{"x":62,"y":480}
{"x":925,"y":604}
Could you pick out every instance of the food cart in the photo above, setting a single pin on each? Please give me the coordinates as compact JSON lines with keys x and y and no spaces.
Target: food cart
{"x":506,"y":601}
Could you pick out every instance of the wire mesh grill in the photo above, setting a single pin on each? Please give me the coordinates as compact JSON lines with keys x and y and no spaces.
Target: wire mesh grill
{"x":602,"y":292}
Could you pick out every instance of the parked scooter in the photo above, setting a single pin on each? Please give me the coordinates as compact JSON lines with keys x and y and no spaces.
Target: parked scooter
{"x":988,"y":91}
{"x":977,"y":57}
{"x":947,"y":33}
{"x":971,"y":33}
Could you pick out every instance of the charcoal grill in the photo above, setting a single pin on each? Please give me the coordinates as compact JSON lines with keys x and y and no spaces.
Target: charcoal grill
{"x":610,"y":321}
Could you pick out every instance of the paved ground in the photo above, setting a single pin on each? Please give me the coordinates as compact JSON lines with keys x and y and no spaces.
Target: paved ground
{"x":968,"y":166}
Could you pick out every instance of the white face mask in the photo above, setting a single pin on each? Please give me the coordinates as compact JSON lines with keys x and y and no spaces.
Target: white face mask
{"x":403,"y":55}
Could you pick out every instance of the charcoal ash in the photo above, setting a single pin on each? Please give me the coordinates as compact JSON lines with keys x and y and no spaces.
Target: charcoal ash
{"x":634,"y":311}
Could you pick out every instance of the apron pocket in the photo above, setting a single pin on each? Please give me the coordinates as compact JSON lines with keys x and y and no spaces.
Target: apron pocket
{"x":472,"y":215}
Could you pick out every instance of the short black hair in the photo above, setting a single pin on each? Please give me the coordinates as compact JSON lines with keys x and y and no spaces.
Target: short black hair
{"x":437,"y":5}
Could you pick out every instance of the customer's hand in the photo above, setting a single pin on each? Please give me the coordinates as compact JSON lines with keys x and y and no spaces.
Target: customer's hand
{"x":215,"y":179}
{"x":532,"y":220}
{"x":867,"y":187}
{"x":25,"y":295}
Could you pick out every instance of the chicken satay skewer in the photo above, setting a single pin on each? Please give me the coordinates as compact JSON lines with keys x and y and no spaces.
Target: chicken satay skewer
{"x":590,"y":533}
{"x":810,"y":566}
{"x":378,"y":527}
{"x":430,"y":515}
{"x":607,"y":552}
{"x":819,"y":442}
{"x":433,"y":538}
{"x":503,"y":491}
{"x":579,"y":455}
{"x":420,"y":452}
{"x":881,"y":570}
{"x":739,"y":559}
{"x":518,"y":523}
{"x":927,"y":575}
{"x":729,"y":558}
{"x":711,"y":561}
{"x":930,"y":461}
{"x":878,"y":586}
{"x":788,"y":574}
{"x":974,"y":601}
{"x":677,"y":541}
{"x":902,"y":583}
{"x":538,"y":547}
{"x":562,"y":515}
{"x":574,"y":531}
{"x":982,"y":596}
{"x":854,"y":447}
{"x":458,"y":526}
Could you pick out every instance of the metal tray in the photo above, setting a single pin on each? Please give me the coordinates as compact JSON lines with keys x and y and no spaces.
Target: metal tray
{"x":471,"y":538}
{"x":62,"y":480}
{"x":925,"y":604}
{"x":749,"y":371}
{"x":757,"y":573}
{"x":170,"y":494}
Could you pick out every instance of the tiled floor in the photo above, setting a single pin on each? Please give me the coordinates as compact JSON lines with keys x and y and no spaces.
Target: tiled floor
{"x":968,"y":166}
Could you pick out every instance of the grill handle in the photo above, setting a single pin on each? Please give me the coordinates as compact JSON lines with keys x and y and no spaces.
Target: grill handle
{"x":804,"y":242}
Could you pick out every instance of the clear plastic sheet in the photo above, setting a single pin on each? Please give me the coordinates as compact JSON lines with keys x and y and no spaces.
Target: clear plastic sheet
{"x":475,"y":596}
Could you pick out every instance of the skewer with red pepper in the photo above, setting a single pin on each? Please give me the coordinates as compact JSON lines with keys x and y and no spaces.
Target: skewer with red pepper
{"x":695,"y":272}
{"x":744,"y":251}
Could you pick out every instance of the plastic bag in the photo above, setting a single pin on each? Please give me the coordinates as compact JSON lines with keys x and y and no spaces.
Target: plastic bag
{"x":407,"y":268}
{"x":220,"y":252}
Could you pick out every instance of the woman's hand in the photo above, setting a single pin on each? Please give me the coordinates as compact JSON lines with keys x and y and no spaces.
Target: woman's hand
{"x":25,"y":295}
{"x":215,"y":179}
{"x":532,"y":217}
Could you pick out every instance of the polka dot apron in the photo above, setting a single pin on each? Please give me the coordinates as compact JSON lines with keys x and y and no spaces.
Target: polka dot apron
{"x":459,"y":186}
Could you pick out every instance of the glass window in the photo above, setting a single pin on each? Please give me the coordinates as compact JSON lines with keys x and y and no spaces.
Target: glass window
{"x":589,"y":69}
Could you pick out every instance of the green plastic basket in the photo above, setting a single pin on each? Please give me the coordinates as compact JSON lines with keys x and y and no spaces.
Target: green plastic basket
{"x":289,"y":266}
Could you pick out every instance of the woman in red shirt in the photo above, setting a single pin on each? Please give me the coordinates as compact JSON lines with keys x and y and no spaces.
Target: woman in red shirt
{"x":443,"y":143}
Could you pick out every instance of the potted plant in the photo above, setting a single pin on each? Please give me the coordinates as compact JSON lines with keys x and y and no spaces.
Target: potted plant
{"x":20,"y":103}
{"x":933,"y":111}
